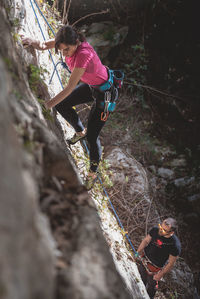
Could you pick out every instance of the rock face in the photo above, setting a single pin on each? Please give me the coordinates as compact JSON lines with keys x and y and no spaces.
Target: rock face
{"x":106,"y":37}
{"x":72,"y":260}
{"x":25,"y":246}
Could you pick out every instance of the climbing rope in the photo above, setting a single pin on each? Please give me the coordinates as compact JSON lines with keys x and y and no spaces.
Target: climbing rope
{"x":43,"y":17}
{"x":55,"y":65}
{"x":116,"y":215}
{"x":55,"y":68}
{"x":99,"y":179}
{"x":114,"y":211}
{"x":62,"y":62}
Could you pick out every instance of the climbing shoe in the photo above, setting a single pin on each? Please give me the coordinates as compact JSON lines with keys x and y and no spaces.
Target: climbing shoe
{"x":90,"y":181}
{"x":75,"y":139}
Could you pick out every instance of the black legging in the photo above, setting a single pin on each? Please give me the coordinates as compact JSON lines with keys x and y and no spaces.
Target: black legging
{"x":80,"y":95}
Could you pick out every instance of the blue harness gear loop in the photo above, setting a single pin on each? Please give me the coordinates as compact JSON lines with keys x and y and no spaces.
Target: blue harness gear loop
{"x":115,"y":78}
{"x":110,"y":90}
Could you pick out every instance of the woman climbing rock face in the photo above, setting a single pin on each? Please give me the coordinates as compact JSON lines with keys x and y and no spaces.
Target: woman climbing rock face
{"x":86,"y":67}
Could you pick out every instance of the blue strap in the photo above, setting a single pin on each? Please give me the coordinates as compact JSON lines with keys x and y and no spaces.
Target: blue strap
{"x":44,"y":38}
{"x":107,"y":85}
{"x":55,"y":65}
{"x":43,"y":17}
{"x":115,"y":77}
{"x":64,"y":65}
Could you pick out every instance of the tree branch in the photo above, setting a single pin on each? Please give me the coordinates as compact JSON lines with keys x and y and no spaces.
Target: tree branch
{"x":89,"y":15}
{"x":65,"y":19}
{"x":64,"y":11}
{"x":54,"y":4}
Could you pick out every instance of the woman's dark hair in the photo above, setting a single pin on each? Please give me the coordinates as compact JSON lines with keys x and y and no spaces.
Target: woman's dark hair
{"x":67,"y":35}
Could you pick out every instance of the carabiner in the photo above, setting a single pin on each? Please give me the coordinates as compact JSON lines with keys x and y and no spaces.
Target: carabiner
{"x":156,"y":284}
{"x":104,"y":116}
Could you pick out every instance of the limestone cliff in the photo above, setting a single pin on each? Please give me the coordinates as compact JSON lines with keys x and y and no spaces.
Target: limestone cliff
{"x":51,"y":243}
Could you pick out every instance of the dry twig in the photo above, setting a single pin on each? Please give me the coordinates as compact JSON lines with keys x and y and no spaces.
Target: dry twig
{"x":147,"y":218}
{"x":65,"y":15}
{"x":55,"y":4}
{"x":89,"y":15}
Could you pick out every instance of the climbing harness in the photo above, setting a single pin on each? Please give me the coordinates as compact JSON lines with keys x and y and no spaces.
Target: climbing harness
{"x":117,"y":82}
{"x":149,"y":266}
{"x":115,"y":78}
{"x":110,"y":90}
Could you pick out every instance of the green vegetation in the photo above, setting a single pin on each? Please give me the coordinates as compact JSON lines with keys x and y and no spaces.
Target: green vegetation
{"x":104,"y":172}
{"x":174,"y":295}
{"x":16,"y":23}
{"x":27,"y":139}
{"x":29,"y":145}
{"x":52,"y":16}
{"x":108,"y":35}
{"x":136,"y":72}
{"x":46,"y":112}
{"x":10,"y":66}
{"x":15,"y":36}
{"x":36,"y":76}
{"x":8,"y":9}
{"x":8,"y":62}
{"x":17,"y":94}
{"x":133,"y":122}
